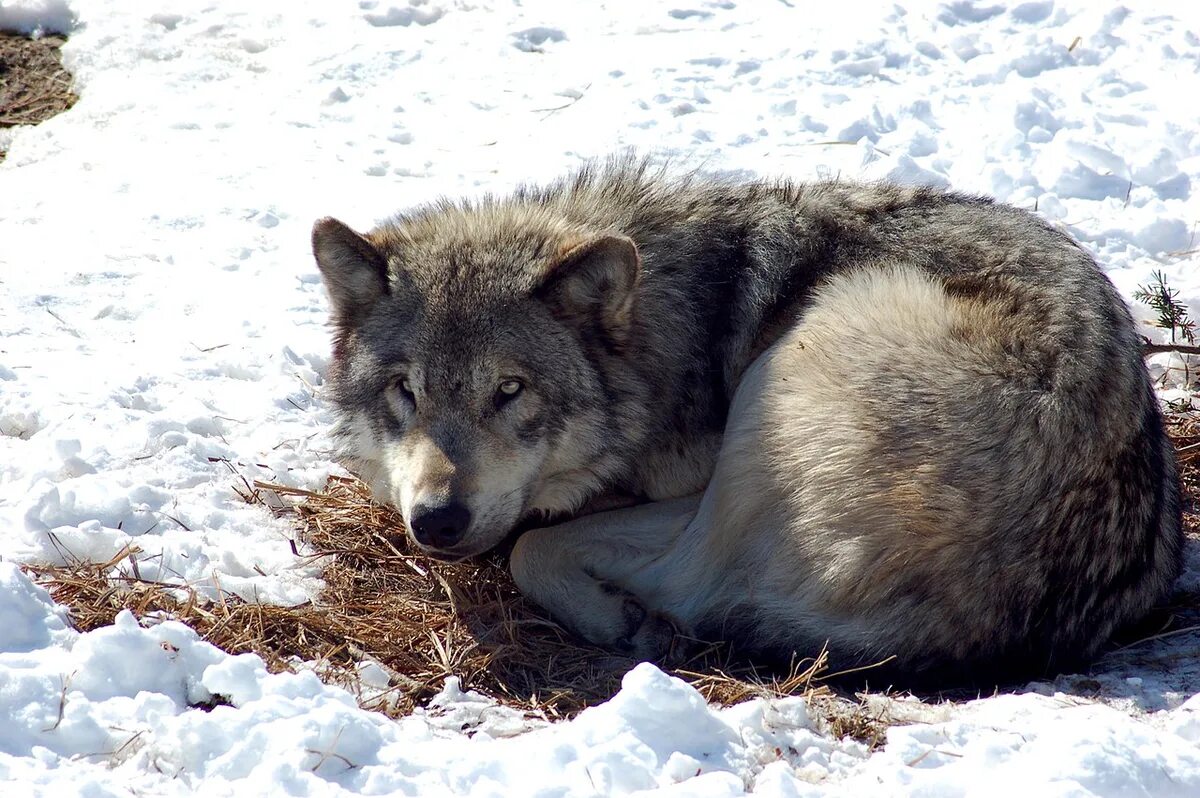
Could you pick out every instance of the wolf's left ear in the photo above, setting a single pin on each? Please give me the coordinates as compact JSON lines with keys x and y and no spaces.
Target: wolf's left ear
{"x":353,"y":270}
{"x":595,"y":279}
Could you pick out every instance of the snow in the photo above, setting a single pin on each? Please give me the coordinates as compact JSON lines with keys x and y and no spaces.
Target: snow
{"x":164,"y":337}
{"x":37,"y":17}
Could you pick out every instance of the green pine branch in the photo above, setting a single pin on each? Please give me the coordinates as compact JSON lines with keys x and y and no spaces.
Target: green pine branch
{"x":1172,"y":314}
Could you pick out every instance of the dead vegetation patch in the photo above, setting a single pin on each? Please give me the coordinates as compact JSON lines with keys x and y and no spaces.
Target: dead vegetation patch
{"x":1185,"y":432}
{"x":421,"y":621}
{"x":34,"y":85}
{"x":1183,"y":611}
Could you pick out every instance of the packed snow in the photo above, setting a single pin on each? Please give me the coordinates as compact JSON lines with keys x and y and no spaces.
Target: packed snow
{"x":163,"y":326}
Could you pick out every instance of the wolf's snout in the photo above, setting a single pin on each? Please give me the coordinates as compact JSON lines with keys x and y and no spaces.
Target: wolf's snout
{"x":440,"y":526}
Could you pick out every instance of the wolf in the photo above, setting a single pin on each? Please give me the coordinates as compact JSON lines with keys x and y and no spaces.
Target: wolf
{"x":903,"y":424}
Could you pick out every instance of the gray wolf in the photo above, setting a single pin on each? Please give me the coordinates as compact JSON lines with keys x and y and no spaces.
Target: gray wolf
{"x":907,"y":424}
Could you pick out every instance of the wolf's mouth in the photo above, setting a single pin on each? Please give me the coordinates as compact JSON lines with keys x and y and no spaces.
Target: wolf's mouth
{"x":445,"y":556}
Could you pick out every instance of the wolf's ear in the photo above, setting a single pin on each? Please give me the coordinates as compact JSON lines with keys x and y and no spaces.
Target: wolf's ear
{"x":594,"y":280}
{"x":354,"y":271}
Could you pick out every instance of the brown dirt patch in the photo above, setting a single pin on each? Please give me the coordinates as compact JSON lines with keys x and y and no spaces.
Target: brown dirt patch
{"x":34,"y":85}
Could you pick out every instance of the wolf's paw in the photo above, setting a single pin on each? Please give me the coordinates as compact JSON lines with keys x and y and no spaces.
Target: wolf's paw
{"x":654,"y":641}
{"x":646,"y":635}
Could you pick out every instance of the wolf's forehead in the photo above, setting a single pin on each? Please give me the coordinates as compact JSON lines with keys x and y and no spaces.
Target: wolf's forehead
{"x":486,"y":254}
{"x":461,"y":291}
{"x":468,"y":259}
{"x":459,"y":340}
{"x":454,"y":290}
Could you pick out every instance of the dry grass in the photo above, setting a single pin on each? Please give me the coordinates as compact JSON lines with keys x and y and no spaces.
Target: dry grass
{"x":1184,"y":608}
{"x":422,"y":620}
{"x":34,"y":86}
{"x":1185,"y":432}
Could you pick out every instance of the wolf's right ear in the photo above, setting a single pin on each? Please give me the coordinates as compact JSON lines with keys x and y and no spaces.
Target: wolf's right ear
{"x":594,"y":280}
{"x":353,"y":270}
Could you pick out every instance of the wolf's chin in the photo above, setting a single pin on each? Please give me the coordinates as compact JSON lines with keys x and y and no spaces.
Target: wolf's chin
{"x":448,"y":557}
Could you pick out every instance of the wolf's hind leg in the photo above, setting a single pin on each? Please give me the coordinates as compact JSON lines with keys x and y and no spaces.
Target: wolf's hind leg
{"x":590,"y":573}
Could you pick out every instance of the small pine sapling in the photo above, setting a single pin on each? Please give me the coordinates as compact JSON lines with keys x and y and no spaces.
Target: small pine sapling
{"x":1172,"y":314}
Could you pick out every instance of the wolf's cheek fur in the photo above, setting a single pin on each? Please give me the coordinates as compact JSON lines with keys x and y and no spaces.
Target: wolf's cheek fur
{"x":575,"y":463}
{"x":359,"y":448}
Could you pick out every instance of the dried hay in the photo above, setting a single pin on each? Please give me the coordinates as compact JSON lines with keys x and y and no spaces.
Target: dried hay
{"x":34,"y":86}
{"x":1184,"y":430}
{"x":421,"y":620}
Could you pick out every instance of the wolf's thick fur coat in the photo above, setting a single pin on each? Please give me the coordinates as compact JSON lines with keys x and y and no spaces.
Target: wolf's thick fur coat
{"x":902,"y":422}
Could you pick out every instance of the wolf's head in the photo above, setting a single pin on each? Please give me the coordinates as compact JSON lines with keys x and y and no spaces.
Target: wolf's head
{"x":476,"y":365}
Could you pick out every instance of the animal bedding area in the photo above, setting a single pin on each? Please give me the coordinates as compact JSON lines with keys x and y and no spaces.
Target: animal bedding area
{"x":34,"y":86}
{"x":392,"y":625}
{"x":416,"y":621}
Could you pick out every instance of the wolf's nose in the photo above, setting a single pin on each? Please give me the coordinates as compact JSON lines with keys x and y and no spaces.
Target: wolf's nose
{"x":440,"y":526}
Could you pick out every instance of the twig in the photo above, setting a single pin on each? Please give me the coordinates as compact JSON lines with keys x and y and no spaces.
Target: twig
{"x":326,"y":754}
{"x":1183,"y":349}
{"x":918,"y":760}
{"x":207,"y":349}
{"x":878,"y":664}
{"x":548,"y":112}
{"x":285,"y":490}
{"x":62,"y":322}
{"x":62,"y":701}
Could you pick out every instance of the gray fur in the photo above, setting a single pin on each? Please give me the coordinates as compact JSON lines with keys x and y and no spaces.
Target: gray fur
{"x":911,"y":423}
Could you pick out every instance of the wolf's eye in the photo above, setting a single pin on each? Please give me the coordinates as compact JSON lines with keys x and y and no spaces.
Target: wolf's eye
{"x":507,"y":391}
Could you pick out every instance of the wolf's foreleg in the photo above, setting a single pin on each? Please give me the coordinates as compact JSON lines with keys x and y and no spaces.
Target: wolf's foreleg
{"x":592,"y":573}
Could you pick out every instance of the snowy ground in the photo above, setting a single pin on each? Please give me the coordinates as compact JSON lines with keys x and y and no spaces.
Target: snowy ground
{"x":159,"y":309}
